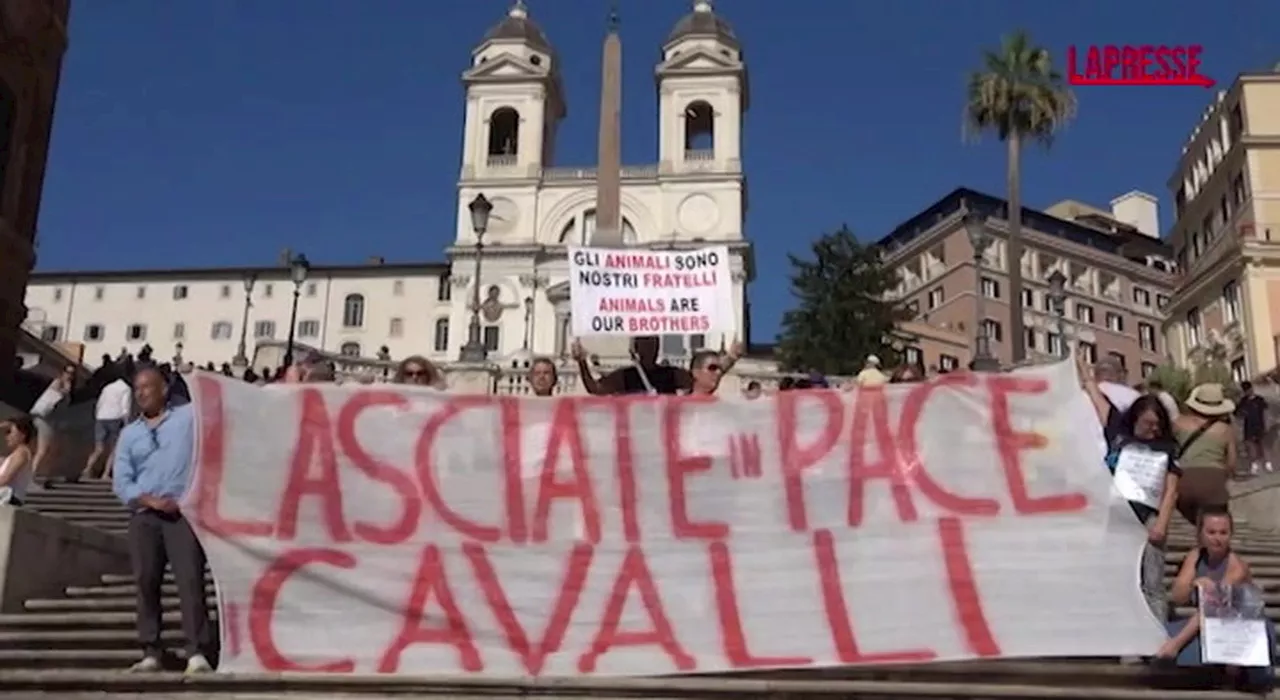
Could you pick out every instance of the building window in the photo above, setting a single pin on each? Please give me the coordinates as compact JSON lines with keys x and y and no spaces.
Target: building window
{"x":913,"y":357}
{"x":224,"y":292}
{"x":444,"y":292}
{"x":1235,"y":124}
{"x":1119,"y":358}
{"x":397,"y":288}
{"x":1162,"y":301}
{"x":1193,"y":328}
{"x":947,"y":363}
{"x":440,"y":341}
{"x":1231,"y":302}
{"x":936,"y":297}
{"x":349,"y":349}
{"x":1238,"y":372}
{"x":1115,"y":322}
{"x":309,"y":328}
{"x":135,"y":332}
{"x":140,"y":292}
{"x":1180,"y":201}
{"x":1141,"y":297}
{"x":51,"y":334}
{"x":1084,"y":313}
{"x":179,"y":291}
{"x":491,"y":338}
{"x":993,"y":330}
{"x":268,"y":290}
{"x":1031,"y":338}
{"x":264,"y":330}
{"x":1090,"y":352}
{"x":1147,"y":336}
{"x":1237,"y":189}
{"x":353,"y":311}
{"x":697,"y":341}
{"x":1028,"y":299}
{"x":990,"y":288}
{"x":99,"y":292}
{"x":1054,"y":341}
{"x":93,"y":332}
{"x":57,"y":294}
{"x":221,"y":330}
{"x":1148,"y":368}
{"x":397,"y":328}
{"x":311,"y":289}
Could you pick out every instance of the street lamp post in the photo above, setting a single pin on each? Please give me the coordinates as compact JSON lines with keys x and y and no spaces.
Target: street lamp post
{"x":298,"y":269}
{"x":1058,"y":299}
{"x":241,"y":360}
{"x":975,"y":225}
{"x":474,"y":350}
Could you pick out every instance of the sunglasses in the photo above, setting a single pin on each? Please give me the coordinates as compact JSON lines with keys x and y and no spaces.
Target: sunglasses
{"x":712,"y":367}
{"x":416,"y":374}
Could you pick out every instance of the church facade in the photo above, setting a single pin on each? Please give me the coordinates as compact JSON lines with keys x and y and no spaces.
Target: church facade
{"x":692,"y":194}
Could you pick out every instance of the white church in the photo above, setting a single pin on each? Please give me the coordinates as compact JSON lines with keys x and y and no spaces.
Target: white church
{"x":692,"y":195}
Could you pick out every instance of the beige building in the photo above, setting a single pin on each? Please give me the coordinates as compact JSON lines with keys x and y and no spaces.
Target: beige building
{"x":1115,"y":274}
{"x":33,"y":37}
{"x":1227,"y":234}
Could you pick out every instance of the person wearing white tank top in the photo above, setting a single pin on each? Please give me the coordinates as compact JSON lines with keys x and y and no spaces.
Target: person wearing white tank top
{"x":19,"y":435}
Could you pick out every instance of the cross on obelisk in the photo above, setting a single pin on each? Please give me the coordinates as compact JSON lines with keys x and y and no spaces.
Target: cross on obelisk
{"x":608,"y":232}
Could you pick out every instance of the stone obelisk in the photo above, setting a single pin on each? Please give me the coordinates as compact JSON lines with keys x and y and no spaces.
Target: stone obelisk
{"x":608,"y":232}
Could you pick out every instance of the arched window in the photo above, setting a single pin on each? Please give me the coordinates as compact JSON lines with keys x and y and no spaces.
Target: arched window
{"x":441,"y":340}
{"x":582,"y":227}
{"x":699,"y":128}
{"x":349,"y":349}
{"x":353,"y":311}
{"x":504,"y":133}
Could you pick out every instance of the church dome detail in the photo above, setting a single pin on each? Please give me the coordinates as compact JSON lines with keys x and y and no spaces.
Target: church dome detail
{"x":517,"y":26}
{"x":703,"y":22}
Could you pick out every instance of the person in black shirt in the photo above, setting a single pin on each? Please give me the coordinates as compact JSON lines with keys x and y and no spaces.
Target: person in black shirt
{"x":647,"y":375}
{"x":1252,"y":412}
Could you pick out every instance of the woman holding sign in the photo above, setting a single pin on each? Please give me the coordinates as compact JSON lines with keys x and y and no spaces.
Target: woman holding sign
{"x":1142,"y":455}
{"x":1212,"y":565}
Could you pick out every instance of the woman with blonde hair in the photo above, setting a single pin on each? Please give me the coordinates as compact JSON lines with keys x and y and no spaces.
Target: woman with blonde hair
{"x":419,"y":371}
{"x":1207,"y":450}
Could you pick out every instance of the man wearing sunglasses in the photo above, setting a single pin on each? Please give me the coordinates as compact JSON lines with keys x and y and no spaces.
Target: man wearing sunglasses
{"x":153,"y":464}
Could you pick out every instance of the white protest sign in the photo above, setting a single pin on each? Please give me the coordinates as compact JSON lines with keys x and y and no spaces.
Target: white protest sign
{"x":348,"y":535}
{"x":1140,"y":474}
{"x":628,"y":291}
{"x":1233,"y":626}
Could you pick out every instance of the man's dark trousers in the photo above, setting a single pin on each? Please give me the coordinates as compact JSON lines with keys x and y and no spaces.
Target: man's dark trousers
{"x":155,"y":539}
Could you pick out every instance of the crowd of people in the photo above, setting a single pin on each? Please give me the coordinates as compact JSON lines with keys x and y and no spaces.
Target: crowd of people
{"x":144,"y":442}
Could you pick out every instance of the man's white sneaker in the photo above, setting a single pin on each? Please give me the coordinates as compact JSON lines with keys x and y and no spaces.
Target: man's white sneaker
{"x":148,"y":664}
{"x":198,"y":664}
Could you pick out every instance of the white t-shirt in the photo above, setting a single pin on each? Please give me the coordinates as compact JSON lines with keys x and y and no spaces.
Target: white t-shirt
{"x":115,"y":402}
{"x":48,"y":401}
{"x":19,"y":485}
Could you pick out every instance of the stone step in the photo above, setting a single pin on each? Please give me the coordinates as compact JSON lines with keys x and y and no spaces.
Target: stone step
{"x":81,"y":508}
{"x":72,"y":638}
{"x":80,"y":620}
{"x":126,"y":603}
{"x":124,"y":590}
{"x":66,"y":658}
{"x":1024,"y":685}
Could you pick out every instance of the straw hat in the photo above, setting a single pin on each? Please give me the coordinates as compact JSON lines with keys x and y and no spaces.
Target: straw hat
{"x":1208,"y":400}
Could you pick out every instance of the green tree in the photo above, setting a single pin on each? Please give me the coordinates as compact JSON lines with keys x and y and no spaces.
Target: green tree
{"x":843,"y":313}
{"x":1020,"y":97}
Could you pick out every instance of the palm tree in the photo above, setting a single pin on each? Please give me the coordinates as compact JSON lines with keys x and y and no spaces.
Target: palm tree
{"x":1019,"y":96}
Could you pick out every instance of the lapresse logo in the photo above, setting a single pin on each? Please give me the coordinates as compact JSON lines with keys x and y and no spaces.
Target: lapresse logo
{"x":1111,"y":64}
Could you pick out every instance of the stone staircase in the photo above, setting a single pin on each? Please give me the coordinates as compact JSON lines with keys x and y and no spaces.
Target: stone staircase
{"x":72,"y":647}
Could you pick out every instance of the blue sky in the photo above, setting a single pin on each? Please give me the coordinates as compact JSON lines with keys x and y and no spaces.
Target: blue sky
{"x":218,"y":132}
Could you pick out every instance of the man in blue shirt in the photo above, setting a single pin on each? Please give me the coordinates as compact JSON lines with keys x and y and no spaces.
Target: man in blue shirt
{"x":153,"y":464}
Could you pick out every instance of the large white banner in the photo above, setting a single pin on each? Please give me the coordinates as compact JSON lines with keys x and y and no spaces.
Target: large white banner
{"x":630,"y":291}
{"x":383,"y":529}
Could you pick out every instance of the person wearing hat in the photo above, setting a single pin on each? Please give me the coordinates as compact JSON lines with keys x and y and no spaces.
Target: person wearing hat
{"x":1207,"y":450}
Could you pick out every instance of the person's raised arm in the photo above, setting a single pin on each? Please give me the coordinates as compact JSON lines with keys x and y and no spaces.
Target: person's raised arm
{"x":607,"y":385}
{"x":1101,"y":405}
